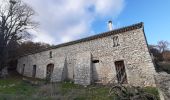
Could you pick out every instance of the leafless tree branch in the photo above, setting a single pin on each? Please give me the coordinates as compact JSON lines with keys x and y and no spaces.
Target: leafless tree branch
{"x":15,"y":20}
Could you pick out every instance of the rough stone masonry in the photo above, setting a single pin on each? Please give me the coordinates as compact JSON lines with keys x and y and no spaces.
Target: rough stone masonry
{"x":95,"y":59}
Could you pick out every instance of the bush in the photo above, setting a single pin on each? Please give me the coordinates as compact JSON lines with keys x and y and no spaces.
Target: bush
{"x":163,"y":66}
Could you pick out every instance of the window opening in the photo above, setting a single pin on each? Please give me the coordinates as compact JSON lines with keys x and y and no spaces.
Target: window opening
{"x":115,"y":41}
{"x":95,"y":61}
{"x":50,"y":54}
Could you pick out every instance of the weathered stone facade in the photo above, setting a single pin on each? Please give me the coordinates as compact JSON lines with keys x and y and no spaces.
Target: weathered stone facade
{"x":93,"y":58}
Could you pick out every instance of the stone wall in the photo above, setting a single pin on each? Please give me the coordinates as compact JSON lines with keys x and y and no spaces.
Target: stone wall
{"x":132,"y":50}
{"x":59,"y":72}
{"x":82,"y":69}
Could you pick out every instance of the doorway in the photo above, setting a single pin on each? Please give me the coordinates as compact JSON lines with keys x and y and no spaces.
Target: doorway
{"x":95,"y":70}
{"x":34,"y":71}
{"x":23,"y":67}
{"x":50,"y":68}
{"x":121,"y":72}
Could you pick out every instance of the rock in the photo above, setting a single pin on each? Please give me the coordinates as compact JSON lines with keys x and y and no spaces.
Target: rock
{"x":4,"y":86}
{"x":11,"y":85}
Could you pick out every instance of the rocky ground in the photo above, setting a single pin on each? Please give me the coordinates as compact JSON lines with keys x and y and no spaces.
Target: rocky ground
{"x":163,"y":83}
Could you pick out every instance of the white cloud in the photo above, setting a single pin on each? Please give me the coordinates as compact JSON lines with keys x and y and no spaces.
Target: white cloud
{"x":41,"y":36}
{"x":65,"y":20}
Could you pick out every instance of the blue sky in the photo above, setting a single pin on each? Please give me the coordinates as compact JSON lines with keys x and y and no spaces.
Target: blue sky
{"x":154,"y":13}
{"x":66,"y":20}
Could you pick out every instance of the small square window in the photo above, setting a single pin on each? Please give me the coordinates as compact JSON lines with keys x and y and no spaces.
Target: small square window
{"x":115,"y":41}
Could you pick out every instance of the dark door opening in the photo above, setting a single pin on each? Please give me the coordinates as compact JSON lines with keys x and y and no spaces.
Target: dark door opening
{"x":121,"y":72}
{"x":95,"y":64}
{"x":23,"y":67}
{"x":49,"y":72}
{"x":34,"y":71}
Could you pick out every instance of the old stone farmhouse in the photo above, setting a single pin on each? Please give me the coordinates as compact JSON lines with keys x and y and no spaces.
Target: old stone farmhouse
{"x":113,"y":55}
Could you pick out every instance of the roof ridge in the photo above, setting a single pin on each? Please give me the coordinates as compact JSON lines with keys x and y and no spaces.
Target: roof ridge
{"x":103,"y":34}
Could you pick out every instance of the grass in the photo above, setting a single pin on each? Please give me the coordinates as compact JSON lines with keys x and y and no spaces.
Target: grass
{"x":14,"y":88}
{"x":152,"y":90}
{"x":70,"y":91}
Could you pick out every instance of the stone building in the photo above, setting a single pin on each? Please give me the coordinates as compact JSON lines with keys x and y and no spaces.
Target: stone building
{"x":99,"y":58}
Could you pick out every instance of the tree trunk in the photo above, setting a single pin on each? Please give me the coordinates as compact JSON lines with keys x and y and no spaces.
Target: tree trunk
{"x":3,"y":64}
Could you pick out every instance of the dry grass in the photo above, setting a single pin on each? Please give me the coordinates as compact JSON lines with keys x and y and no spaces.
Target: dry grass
{"x":17,"y":89}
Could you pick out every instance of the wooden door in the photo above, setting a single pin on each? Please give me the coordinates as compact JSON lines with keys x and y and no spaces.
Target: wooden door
{"x":50,"y":68}
{"x":121,"y":72}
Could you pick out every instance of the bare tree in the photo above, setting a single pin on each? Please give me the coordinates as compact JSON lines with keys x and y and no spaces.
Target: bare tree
{"x":163,"y":46}
{"x":15,"y":20}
